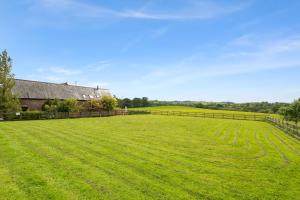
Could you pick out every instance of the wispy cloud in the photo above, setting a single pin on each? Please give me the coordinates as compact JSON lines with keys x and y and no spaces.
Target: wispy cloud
{"x":131,"y":43}
{"x":59,"y":71}
{"x":192,"y":10}
{"x":103,"y":85}
{"x":98,"y":66}
{"x":153,"y":34}
{"x":245,"y":54}
{"x":64,"y":71}
{"x":160,"y":32}
{"x":84,"y":75}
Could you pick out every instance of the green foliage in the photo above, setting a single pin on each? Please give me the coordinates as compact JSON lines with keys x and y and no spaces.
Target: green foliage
{"x":292,"y":112}
{"x":284,"y":112}
{"x":93,"y":104}
{"x":262,"y":107}
{"x":137,"y":102}
{"x":125,"y":103}
{"x":68,"y":105}
{"x":9,"y":103}
{"x":145,"y":102}
{"x":147,"y":157}
{"x":32,"y":115}
{"x":50,"y":105}
{"x":108,"y":103}
{"x":134,"y":103}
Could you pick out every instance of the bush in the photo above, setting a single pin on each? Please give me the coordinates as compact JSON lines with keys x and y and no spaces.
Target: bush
{"x":32,"y":115}
{"x":108,"y":103}
{"x":68,"y":105}
{"x":50,"y":105}
{"x":93,"y":105}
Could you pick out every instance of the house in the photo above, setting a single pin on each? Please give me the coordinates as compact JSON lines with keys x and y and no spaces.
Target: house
{"x":33,"y":94}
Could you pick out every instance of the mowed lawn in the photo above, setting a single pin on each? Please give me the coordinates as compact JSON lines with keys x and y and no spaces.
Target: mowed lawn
{"x":193,"y":109}
{"x":147,"y":157}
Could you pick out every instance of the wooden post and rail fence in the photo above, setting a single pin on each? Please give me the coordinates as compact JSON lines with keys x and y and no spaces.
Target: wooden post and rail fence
{"x":288,"y":127}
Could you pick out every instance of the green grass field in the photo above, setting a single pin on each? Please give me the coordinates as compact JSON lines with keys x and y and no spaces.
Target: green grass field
{"x":147,"y":157}
{"x":192,"y":109}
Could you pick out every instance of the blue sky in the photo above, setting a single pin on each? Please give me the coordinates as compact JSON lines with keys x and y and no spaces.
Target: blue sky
{"x":210,"y":50}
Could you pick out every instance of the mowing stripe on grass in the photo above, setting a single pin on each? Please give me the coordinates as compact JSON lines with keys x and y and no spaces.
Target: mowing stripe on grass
{"x":147,"y":157}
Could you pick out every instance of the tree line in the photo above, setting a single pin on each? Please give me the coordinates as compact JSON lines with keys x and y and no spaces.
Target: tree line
{"x":290,"y":111}
{"x":134,"y":103}
{"x":262,"y":107}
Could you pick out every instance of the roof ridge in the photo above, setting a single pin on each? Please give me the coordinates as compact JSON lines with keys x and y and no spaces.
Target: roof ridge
{"x":59,"y":84}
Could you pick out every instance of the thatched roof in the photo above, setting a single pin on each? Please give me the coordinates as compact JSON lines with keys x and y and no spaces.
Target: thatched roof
{"x":26,"y":89}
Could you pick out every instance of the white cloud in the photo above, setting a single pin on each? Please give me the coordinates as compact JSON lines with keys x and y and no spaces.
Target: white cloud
{"x":250,"y":54}
{"x":102,"y":85}
{"x":98,"y":66}
{"x":54,"y":79}
{"x":132,"y":43}
{"x":160,"y":32}
{"x":64,"y":71}
{"x":58,"y":72}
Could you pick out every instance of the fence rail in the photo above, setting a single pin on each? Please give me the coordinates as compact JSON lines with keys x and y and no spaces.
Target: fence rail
{"x":206,"y":115}
{"x":59,"y":115}
{"x":286,"y":126}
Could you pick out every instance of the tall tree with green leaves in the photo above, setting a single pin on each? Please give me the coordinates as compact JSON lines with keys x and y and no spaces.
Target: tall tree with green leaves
{"x":292,"y":112}
{"x":8,"y":101}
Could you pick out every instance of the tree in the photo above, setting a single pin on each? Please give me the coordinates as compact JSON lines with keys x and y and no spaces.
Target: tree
{"x":137,"y":102}
{"x":294,"y":111}
{"x":283,"y":111}
{"x":145,"y":102}
{"x":108,"y":103}
{"x":127,"y":103}
{"x":51,"y":106}
{"x":68,"y":105}
{"x":291,"y":112}
{"x":8,"y":101}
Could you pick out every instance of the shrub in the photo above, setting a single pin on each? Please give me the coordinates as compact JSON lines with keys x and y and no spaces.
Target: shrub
{"x":50,"y":105}
{"x":68,"y":105}
{"x":32,"y":115}
{"x":108,"y":103}
{"x":93,"y":104}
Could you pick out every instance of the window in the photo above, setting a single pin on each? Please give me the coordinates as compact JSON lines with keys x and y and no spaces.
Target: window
{"x":24,"y":108}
